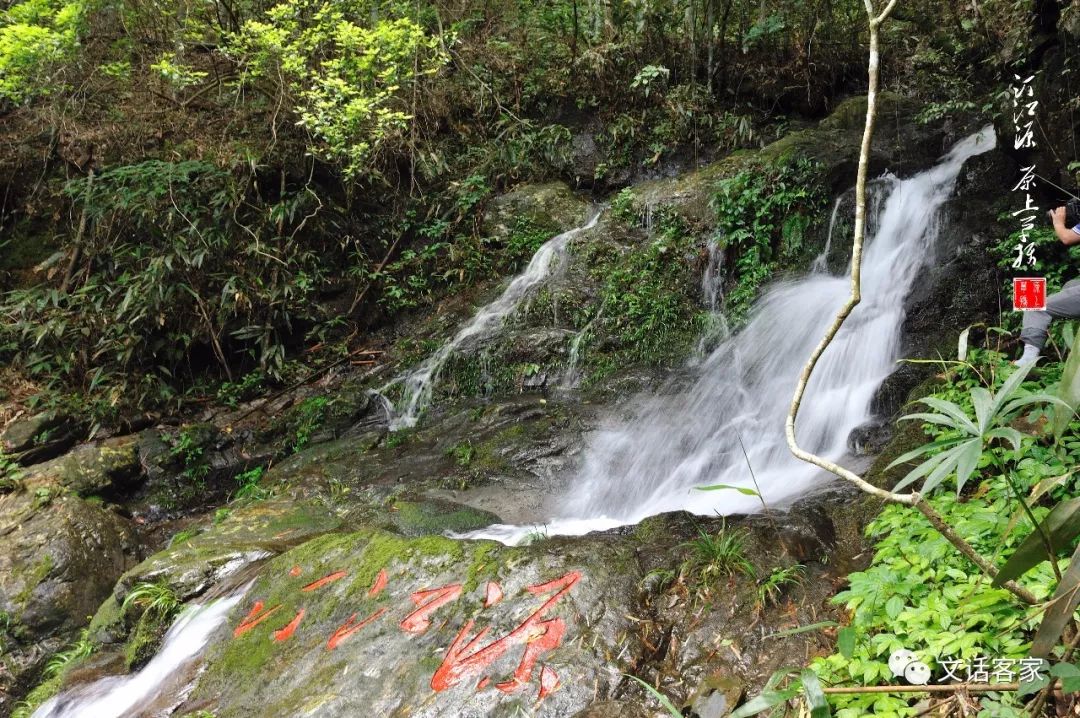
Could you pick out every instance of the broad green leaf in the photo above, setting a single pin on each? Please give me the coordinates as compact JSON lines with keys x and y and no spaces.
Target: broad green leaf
{"x":982,"y":401}
{"x":946,"y":467}
{"x":967,"y":459}
{"x":1009,"y":387}
{"x":1068,"y":389}
{"x":963,"y":421}
{"x":845,"y":641}
{"x":762,"y":703}
{"x":1027,"y":399}
{"x":894,"y":606}
{"x":815,"y":697}
{"x":720,"y":487}
{"x":1069,"y":675}
{"x":922,"y":470}
{"x":1007,"y":432}
{"x":1030,"y":687}
{"x":939,"y":419}
{"x":1062,"y":525}
{"x":1047,"y":485}
{"x":924,"y":449}
{"x":1060,"y":612}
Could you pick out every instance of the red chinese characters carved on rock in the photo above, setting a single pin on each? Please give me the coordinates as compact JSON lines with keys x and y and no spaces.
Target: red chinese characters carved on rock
{"x":465,"y":657}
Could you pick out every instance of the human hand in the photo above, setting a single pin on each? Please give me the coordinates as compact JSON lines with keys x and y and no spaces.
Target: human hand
{"x":1057,"y":216}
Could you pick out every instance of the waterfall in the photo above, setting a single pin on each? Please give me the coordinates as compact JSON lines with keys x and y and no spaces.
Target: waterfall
{"x":418,"y":384}
{"x":712,"y":284}
{"x":682,"y":438}
{"x":118,"y":696}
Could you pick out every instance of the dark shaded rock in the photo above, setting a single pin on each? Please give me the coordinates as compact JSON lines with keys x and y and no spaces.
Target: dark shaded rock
{"x":110,"y":467}
{"x":40,"y":437}
{"x":869,"y":438}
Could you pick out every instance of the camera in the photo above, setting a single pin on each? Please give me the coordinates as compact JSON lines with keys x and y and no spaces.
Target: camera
{"x":1072,"y":212}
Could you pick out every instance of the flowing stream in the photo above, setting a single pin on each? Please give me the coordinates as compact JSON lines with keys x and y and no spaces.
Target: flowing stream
{"x":727,"y":426}
{"x":549,"y":260}
{"x":164,"y":675}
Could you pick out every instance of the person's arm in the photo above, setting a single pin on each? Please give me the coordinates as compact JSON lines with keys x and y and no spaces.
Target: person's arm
{"x":1068,"y":235}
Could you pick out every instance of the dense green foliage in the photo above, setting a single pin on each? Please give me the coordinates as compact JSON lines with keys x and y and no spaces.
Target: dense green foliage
{"x":274,"y":174}
{"x":36,"y":38}
{"x":763,"y":214}
{"x":919,"y":593}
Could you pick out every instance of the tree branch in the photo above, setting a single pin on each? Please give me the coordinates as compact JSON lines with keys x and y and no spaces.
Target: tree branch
{"x":913,"y":498}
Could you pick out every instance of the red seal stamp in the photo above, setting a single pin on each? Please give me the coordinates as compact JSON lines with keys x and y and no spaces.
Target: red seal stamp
{"x":1029,"y":293}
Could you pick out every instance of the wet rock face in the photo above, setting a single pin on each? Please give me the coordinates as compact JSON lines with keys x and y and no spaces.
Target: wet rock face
{"x":59,"y":561}
{"x":61,"y":556}
{"x":195,"y":562}
{"x":374,"y":624}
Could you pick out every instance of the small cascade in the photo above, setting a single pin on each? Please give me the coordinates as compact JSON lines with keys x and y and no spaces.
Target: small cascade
{"x":712,"y":285}
{"x":732,"y":414}
{"x":549,"y":260}
{"x":821,"y":262}
{"x":572,"y":376}
{"x":165,"y":675}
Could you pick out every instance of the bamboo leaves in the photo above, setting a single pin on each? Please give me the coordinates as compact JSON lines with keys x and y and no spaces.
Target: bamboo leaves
{"x":993,"y":412}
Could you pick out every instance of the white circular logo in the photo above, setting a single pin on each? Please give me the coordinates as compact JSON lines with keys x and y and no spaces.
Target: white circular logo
{"x":917,"y":673}
{"x":899,"y":660}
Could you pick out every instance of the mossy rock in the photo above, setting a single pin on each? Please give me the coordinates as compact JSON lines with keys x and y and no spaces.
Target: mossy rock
{"x":107,"y":466}
{"x":387,"y":666}
{"x":552,"y":206}
{"x":249,"y":533}
{"x":436,"y":516}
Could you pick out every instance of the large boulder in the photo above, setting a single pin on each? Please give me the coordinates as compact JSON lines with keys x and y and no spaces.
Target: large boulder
{"x":552,"y":206}
{"x":59,"y":558}
{"x":201,"y":557}
{"x":370,"y":623}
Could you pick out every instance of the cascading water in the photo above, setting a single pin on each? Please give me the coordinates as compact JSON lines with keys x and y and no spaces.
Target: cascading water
{"x":712,"y":279}
{"x":549,"y":260}
{"x":682,"y":439}
{"x":118,"y":696}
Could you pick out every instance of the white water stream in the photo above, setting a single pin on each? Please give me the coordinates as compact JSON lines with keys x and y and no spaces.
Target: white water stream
{"x":133,"y":695}
{"x":680,"y":439}
{"x":548,"y":261}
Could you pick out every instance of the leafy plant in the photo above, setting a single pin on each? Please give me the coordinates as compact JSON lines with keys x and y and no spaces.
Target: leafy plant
{"x":762,"y":217}
{"x":81,"y":648}
{"x":960,"y":451}
{"x":462,"y":452}
{"x":718,"y":555}
{"x":346,"y":73}
{"x":188,"y":449}
{"x":183,"y":536}
{"x":157,"y":599}
{"x":249,"y":485}
{"x":36,"y":37}
{"x":771,"y":587}
{"x":307,"y":419}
